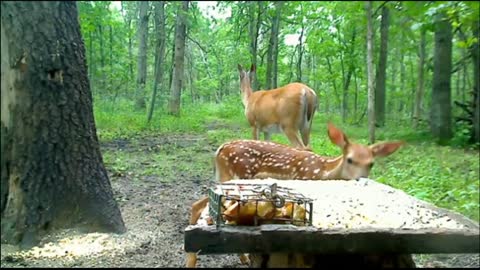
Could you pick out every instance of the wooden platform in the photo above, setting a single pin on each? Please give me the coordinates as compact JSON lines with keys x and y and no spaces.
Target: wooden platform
{"x":359,"y":217}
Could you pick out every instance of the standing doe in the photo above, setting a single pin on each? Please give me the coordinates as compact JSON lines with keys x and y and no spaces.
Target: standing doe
{"x":288,"y":109}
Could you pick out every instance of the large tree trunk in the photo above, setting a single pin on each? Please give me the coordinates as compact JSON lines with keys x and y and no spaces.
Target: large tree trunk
{"x":142,"y":55}
{"x":52,"y":172}
{"x":371,"y":95}
{"x":417,"y":112}
{"x":273,"y":49}
{"x":441,"y":108}
{"x":159,"y":52}
{"x":381,"y":71}
{"x":178,"y":72}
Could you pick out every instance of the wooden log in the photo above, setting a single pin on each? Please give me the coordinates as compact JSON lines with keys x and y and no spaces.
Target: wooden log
{"x":288,"y":238}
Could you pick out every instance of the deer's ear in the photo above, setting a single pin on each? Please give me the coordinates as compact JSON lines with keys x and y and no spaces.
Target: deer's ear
{"x":240,"y":69}
{"x":385,"y":149}
{"x":253,"y":68}
{"x":337,"y":136}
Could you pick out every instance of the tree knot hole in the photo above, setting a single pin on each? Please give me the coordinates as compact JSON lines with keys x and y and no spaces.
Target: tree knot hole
{"x":56,"y":75}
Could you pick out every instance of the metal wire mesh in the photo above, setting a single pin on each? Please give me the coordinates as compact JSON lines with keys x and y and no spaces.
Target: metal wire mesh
{"x":278,"y":199}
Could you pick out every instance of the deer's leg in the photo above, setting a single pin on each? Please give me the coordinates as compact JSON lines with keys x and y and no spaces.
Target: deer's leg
{"x":294,"y":138}
{"x":222,"y":172}
{"x":197,"y":208}
{"x":255,"y":132}
{"x":244,"y":259}
{"x":267,"y":136}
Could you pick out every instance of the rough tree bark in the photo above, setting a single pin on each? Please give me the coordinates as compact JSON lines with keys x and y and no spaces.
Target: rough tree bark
{"x":382,"y":70}
{"x":371,"y":94}
{"x":441,"y":108}
{"x":142,"y":55}
{"x":159,"y":52}
{"x":52,"y":171}
{"x":178,"y":72}
{"x":419,"y":93}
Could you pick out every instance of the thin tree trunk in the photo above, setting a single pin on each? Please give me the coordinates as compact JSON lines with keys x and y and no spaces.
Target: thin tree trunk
{"x":457,"y":84}
{"x":159,"y":52}
{"x":402,"y":78}
{"x":254,"y":28}
{"x":370,"y":72}
{"x":412,"y":88}
{"x":300,"y":55}
{"x":173,"y":58}
{"x":142,"y":55}
{"x":441,"y":115}
{"x":355,"y":104}
{"x":419,"y":93}
{"x":178,"y":74}
{"x":464,"y":77}
{"x":348,"y":77}
{"x":191,"y":74}
{"x":111,"y":60}
{"x":382,"y":68}
{"x":334,"y":83}
{"x":273,"y":49}
{"x":476,"y":84}
{"x":394,"y":64}
{"x":102,"y":58}
{"x":52,"y":172}
{"x":290,"y":65}
{"x":128,"y":22}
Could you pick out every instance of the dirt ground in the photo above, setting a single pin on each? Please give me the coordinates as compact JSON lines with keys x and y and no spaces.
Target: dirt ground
{"x":155,"y":206}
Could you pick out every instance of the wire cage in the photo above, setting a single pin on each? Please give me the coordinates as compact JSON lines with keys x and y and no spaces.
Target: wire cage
{"x":256,"y":204}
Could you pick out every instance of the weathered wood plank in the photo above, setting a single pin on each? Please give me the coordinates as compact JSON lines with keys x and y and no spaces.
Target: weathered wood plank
{"x":288,"y":238}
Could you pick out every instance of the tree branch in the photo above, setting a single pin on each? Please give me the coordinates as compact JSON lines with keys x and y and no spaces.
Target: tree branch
{"x":198,"y":44}
{"x":379,"y":7}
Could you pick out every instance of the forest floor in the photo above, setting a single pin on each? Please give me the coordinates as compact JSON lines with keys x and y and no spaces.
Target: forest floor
{"x":155,"y":180}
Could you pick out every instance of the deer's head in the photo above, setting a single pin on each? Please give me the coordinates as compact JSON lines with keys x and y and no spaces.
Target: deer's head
{"x":246,"y":76}
{"x":359,"y":159}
